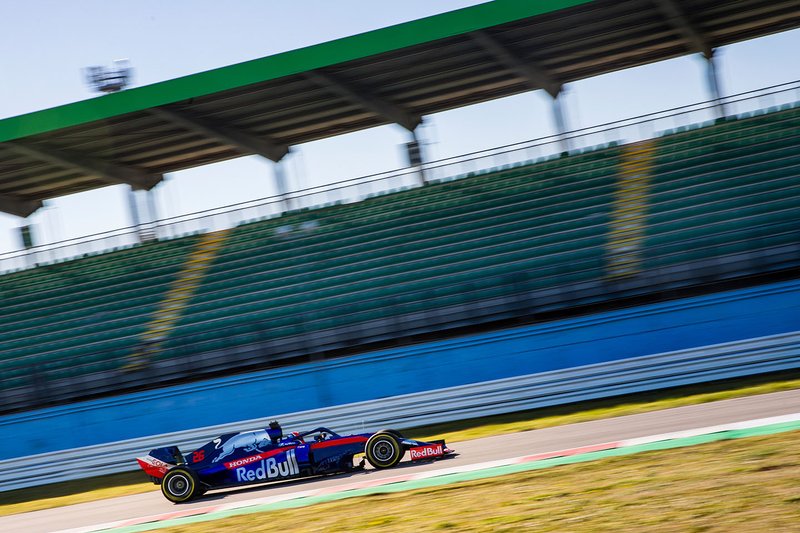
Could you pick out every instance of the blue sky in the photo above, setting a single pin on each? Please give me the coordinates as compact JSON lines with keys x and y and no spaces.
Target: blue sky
{"x":44,"y":44}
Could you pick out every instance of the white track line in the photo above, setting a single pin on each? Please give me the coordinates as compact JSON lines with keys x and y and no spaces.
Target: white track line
{"x":747,"y":424}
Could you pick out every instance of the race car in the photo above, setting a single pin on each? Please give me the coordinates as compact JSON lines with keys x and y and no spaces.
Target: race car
{"x":265,"y":455}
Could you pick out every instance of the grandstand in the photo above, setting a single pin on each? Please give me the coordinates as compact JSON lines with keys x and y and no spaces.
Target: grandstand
{"x":684,"y":212}
{"x":365,"y":272}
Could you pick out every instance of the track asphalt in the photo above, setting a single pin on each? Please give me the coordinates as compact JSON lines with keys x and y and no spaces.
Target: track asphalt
{"x":480,"y":455}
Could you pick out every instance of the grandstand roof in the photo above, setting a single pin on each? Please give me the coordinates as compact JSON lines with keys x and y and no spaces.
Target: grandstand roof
{"x":392,"y":75}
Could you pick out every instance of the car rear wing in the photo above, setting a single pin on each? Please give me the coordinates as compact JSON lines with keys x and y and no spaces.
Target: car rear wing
{"x":159,"y":461}
{"x":168,"y":454}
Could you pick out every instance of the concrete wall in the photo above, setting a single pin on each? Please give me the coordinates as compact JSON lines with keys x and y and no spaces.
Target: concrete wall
{"x":644,"y":330}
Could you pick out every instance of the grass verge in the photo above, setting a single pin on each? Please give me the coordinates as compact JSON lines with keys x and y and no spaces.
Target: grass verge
{"x":746,"y":484}
{"x":79,"y":491}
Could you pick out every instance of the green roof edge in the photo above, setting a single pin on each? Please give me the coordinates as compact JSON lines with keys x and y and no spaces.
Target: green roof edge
{"x":279,"y":65}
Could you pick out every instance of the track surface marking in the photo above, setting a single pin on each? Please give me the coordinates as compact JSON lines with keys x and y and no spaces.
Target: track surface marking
{"x":472,"y":452}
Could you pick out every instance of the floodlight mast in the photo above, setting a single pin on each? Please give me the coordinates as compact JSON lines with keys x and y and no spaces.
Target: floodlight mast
{"x":109,"y":79}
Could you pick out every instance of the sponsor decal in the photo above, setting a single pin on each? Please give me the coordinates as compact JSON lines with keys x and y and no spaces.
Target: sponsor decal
{"x":236,"y":463}
{"x":152,"y":466}
{"x":244,"y":461}
{"x":251,"y":441}
{"x":426,"y":452}
{"x":269,"y":468}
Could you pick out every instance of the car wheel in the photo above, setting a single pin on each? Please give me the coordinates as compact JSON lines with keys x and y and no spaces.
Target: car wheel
{"x":180,"y":485}
{"x":383,"y":450}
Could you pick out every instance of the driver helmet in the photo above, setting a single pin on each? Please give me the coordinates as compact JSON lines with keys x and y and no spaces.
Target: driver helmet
{"x":274,"y":431}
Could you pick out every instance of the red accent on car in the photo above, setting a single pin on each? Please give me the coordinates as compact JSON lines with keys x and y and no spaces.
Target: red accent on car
{"x":427,"y":451}
{"x":337,"y":442}
{"x":153,"y":467}
{"x":236,"y":463}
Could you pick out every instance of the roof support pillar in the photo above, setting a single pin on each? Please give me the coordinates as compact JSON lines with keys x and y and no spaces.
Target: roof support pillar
{"x":152,"y":210}
{"x":534,"y":75}
{"x":416,"y":158}
{"x":281,"y":183}
{"x":696,"y":40}
{"x":133,"y":207}
{"x":714,"y":86}
{"x":142,"y":205}
{"x":560,"y":122}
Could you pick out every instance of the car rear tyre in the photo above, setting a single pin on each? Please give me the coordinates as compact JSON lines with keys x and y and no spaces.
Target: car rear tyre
{"x":384,"y":450}
{"x":180,"y":485}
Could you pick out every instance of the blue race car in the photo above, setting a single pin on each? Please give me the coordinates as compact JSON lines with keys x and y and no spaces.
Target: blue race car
{"x":264,"y":455}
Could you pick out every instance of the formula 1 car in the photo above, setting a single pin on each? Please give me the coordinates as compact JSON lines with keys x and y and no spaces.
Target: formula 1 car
{"x":264,"y":455}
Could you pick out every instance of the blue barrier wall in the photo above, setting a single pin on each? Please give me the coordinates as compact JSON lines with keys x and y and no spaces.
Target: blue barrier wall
{"x":722,"y":317}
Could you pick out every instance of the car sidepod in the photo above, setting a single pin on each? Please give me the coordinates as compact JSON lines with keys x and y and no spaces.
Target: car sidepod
{"x":270,"y":465}
{"x":336,"y":455}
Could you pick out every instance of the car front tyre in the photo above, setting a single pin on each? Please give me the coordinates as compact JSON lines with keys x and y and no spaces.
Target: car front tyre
{"x":383,"y":450}
{"x":180,"y":485}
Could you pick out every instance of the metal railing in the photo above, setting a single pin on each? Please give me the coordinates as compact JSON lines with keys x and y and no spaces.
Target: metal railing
{"x":357,"y":189}
{"x":603,"y":380}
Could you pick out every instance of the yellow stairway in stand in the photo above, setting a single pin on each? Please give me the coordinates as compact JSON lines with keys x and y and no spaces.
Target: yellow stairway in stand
{"x":629,"y":217}
{"x":180,"y":294}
